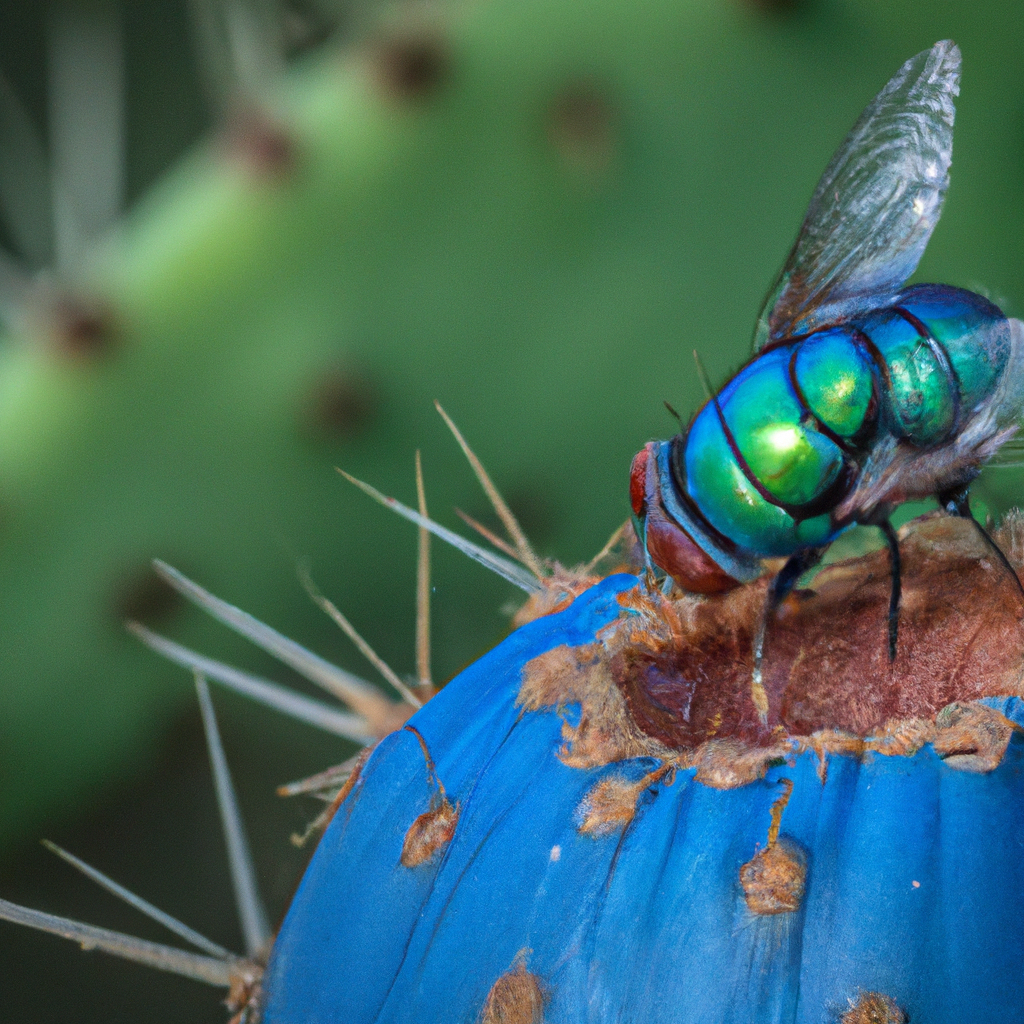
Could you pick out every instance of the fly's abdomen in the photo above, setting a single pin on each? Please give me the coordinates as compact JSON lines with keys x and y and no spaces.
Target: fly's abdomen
{"x":944,"y":350}
{"x":974,"y":332}
{"x":756,"y":464}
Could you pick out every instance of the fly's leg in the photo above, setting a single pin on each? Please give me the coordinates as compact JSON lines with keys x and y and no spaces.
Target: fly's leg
{"x":781,"y":587}
{"x":958,"y":503}
{"x":896,"y":585}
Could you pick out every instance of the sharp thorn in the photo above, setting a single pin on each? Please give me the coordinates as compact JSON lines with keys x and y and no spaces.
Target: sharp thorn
{"x":86,"y":108}
{"x":422,"y":588}
{"x":363,"y":697}
{"x":515,"y":574}
{"x":211,"y":970}
{"x":329,"y":779}
{"x":171,"y":923}
{"x":24,"y":189}
{"x":253,"y":918}
{"x":604,"y":552}
{"x":296,"y":705}
{"x":488,"y":535}
{"x":364,"y":648}
{"x":522,"y":545}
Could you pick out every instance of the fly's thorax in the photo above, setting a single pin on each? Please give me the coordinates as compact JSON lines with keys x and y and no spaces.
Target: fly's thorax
{"x":758,"y":465}
{"x":837,"y":381}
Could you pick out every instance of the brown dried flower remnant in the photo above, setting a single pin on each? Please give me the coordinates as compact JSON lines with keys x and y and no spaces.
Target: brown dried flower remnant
{"x":683,"y":666}
{"x":686,"y":674}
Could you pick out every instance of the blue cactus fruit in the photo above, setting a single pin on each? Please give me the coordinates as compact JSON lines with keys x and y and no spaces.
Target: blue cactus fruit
{"x":598,"y":820}
{"x":592,"y":824}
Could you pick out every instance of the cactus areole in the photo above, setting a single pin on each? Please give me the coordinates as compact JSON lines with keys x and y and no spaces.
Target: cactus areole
{"x":593,"y":823}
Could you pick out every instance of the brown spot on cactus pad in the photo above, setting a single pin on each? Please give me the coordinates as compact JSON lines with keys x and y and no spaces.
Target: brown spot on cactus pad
{"x":773,"y":880}
{"x":581,"y":126}
{"x":410,"y":67}
{"x":342,"y":403}
{"x":260,"y":142}
{"x":611,"y":805}
{"x":77,"y":326}
{"x":432,"y":831}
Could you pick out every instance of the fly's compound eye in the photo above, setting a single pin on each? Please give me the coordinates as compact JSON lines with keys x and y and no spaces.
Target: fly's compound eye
{"x":667,"y":544}
{"x":638,"y":483}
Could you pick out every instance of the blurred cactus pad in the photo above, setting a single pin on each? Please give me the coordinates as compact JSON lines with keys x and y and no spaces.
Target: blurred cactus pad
{"x":531,"y":210}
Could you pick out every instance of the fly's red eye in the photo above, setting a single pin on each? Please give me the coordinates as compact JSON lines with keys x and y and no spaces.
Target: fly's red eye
{"x":638,"y":482}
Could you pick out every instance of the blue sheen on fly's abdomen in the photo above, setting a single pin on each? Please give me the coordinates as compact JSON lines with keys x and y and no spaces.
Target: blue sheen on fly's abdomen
{"x":973,"y":331}
{"x":914,"y":885}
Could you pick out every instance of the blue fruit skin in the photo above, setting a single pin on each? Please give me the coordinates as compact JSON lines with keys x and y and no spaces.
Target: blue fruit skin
{"x":650,"y":926}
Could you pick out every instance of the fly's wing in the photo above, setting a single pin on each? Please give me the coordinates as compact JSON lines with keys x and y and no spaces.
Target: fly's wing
{"x":876,"y":205}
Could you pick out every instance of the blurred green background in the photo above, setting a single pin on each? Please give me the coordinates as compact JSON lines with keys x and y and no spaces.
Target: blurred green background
{"x":243,"y":241}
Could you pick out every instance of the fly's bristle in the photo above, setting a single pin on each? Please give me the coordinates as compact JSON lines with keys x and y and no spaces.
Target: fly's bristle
{"x":524,"y":551}
{"x":364,"y":648}
{"x":507,"y":570}
{"x":703,"y":376}
{"x":255,"y":927}
{"x":363,"y":697}
{"x":295,"y":705}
